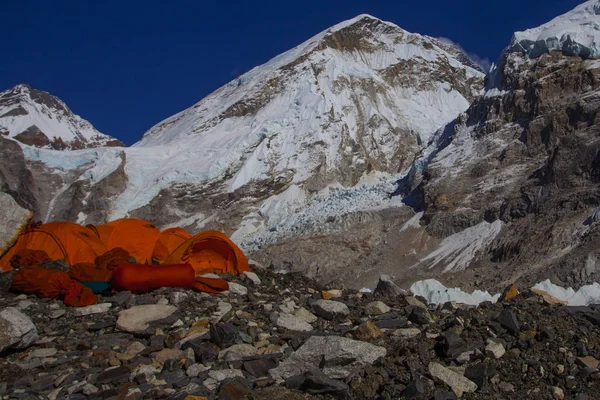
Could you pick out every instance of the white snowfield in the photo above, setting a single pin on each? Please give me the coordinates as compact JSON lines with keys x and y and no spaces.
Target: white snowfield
{"x":436,"y":293}
{"x":308,"y":108}
{"x":52,"y":121}
{"x":576,"y":33}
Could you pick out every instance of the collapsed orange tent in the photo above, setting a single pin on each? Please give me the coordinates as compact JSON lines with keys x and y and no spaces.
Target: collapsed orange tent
{"x":210,"y":252}
{"x":167,"y":242}
{"x":136,"y":236}
{"x":60,"y":240}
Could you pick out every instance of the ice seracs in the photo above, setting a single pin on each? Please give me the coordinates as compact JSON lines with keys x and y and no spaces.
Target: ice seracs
{"x":575,"y":33}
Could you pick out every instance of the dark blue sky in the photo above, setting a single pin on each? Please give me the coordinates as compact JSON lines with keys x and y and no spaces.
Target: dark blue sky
{"x":126,"y":65}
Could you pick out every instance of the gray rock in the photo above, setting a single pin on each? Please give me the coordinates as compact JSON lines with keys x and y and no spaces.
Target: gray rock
{"x":292,"y":323}
{"x":330,"y":309}
{"x":338,"y":357}
{"x":93,"y":309}
{"x":14,"y":218}
{"x":238,"y":289}
{"x":178,"y":297}
{"x":237,"y":352}
{"x":16,"y":329}
{"x":458,"y":383}
{"x":43,"y":353}
{"x":137,"y":318}
{"x":196,"y":369}
{"x":413,"y":301}
{"x":222,"y":374}
{"x":305,"y":315}
{"x":407,"y":332}
{"x":387,"y":287}
{"x":377,"y":308}
{"x":252,"y":277}
{"x":494,"y":350}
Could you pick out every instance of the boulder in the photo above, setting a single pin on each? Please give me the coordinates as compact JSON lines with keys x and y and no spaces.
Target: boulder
{"x":547,"y":298}
{"x":13,"y":219}
{"x":387,"y":287}
{"x":17,"y":331}
{"x":377,"y":308}
{"x":338,"y":357}
{"x":330,"y":309}
{"x":458,"y":383}
{"x":138,"y":318}
{"x":292,"y":323}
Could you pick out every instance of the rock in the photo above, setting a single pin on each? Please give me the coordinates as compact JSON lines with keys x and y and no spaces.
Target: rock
{"x":57,"y":314}
{"x":510,"y":293}
{"x":252,"y":277}
{"x":558,"y":393}
{"x":315,"y":382}
{"x":420,"y":316}
{"x":480,"y":373}
{"x":196,"y":369}
{"x":120,"y":298}
{"x":413,"y":301}
{"x":178,"y":297}
{"x":223,"y":334}
{"x":292,"y":323}
{"x":450,"y":345}
{"x":331,"y":294}
{"x":234,"y":389}
{"x":407,"y":332}
{"x":338,"y":357}
{"x":168,"y":354}
{"x":458,"y":383}
{"x":137,"y":318}
{"x":114,"y":375}
{"x":548,"y":298}
{"x":391,"y":323}
{"x":305,"y":315}
{"x":387,"y":287}
{"x":222,"y":374}
{"x":237,"y":352}
{"x":377,"y":308}
{"x":14,"y":219}
{"x":416,"y":388}
{"x":508,"y":320}
{"x":588,"y":362}
{"x":259,"y":368}
{"x":93,"y":309}
{"x":367,"y":331}
{"x":43,"y":353}
{"x":330,"y":309}
{"x":494,"y":350}
{"x":238,"y":289}
{"x":17,"y":331}
{"x":506,"y":387}
{"x":222,"y":309}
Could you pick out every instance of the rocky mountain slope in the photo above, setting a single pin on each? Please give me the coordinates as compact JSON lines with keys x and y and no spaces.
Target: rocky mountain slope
{"x":274,"y":336}
{"x":38,"y":119}
{"x":347,"y":157}
{"x":355,"y":104}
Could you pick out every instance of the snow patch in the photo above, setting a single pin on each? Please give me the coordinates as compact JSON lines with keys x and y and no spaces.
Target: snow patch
{"x":436,"y":293}
{"x":459,"y":250}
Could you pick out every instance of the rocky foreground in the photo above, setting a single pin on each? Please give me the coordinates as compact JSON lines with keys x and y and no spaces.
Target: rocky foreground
{"x":281,"y":336}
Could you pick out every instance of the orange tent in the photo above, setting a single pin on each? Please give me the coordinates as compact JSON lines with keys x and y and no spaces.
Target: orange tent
{"x":136,"y":236}
{"x":210,"y":252}
{"x":60,"y":240}
{"x":167,"y":242}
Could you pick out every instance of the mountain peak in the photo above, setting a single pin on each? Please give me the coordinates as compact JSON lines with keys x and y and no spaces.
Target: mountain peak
{"x":37,"y":118}
{"x":576,"y":33}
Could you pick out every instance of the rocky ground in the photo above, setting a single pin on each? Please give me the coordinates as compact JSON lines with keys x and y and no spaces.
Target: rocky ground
{"x":281,"y":336}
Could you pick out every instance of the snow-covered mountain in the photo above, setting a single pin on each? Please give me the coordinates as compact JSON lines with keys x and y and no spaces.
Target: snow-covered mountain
{"x":39,"y":119}
{"x":357,"y":103}
{"x":368,"y":150}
